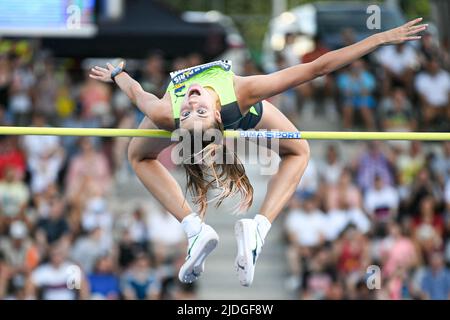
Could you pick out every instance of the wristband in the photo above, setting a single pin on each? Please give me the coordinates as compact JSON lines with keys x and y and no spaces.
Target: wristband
{"x":116,"y":72}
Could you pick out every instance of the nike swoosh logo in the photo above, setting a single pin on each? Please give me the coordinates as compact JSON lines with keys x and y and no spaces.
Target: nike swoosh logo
{"x":240,"y":267}
{"x":192,"y":245}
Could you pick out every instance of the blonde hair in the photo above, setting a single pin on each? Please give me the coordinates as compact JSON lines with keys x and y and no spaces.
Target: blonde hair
{"x":228,"y":176}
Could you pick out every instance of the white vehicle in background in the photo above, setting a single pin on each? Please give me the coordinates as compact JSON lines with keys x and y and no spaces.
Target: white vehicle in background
{"x":237,"y":51}
{"x":324,"y":19}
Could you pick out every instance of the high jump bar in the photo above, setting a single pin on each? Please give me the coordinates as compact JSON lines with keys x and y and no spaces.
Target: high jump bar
{"x":271,"y":134}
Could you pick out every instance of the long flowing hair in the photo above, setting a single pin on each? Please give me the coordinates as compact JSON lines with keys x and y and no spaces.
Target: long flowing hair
{"x":216,"y":167}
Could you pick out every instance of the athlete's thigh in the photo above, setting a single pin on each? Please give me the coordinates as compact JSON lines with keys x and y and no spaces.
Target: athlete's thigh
{"x":147,"y":148}
{"x":273,"y":119}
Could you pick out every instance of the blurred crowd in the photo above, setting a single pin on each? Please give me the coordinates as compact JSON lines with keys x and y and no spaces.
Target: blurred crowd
{"x":374,"y":215}
{"x":61,"y":228}
{"x":404,"y":87}
{"x":388,"y":206}
{"x":380,"y":217}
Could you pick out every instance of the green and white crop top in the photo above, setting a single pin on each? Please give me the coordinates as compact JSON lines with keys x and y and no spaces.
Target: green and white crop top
{"x":219,"y":76}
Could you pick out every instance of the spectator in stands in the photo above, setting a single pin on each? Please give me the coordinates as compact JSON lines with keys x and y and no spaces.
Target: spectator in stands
{"x":289,"y":54}
{"x":126,"y":119}
{"x":96,"y":214}
{"x":50,"y":281}
{"x":431,"y":48}
{"x":45,"y":156}
{"x":154,"y":76}
{"x":436,"y":281}
{"x":397,"y":250}
{"x":433,"y":87}
{"x":89,"y":171}
{"x":337,"y":220}
{"x":399,"y":63}
{"x":42,"y":201}
{"x":310,"y":180}
{"x":331,"y":168}
{"x":321,"y":89}
{"x":166,"y":236}
{"x":128,"y":251}
{"x":428,"y":226}
{"x":305,"y":223}
{"x":422,"y":187}
{"x":103,"y":283}
{"x":287,"y":100}
{"x":381,"y":202}
{"x":21,"y":257}
{"x":11,"y":156}
{"x":441,"y":163}
{"x":352,"y":252}
{"x":356,"y":87}
{"x":46,"y":88}
{"x":305,"y":230}
{"x":396,"y":112}
{"x":372,"y":163}
{"x":140,"y":281}
{"x":319,"y":275}
{"x":87,"y":249}
{"x":14,"y":197}
{"x":397,"y":285}
{"x":95,"y":99}
{"x":75,"y":120}
{"x":345,"y":188}
{"x":54,"y":228}
{"x":20,"y":100}
{"x":138,"y":228}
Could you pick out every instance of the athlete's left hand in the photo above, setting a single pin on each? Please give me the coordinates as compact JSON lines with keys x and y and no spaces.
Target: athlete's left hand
{"x":406,"y":32}
{"x":103,"y":74}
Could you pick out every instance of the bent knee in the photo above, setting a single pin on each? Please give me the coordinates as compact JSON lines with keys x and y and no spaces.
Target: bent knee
{"x":304,"y":149}
{"x":297,"y":148}
{"x":134,"y":153}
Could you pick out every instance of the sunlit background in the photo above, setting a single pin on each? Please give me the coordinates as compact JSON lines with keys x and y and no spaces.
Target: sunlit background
{"x":75,"y":223}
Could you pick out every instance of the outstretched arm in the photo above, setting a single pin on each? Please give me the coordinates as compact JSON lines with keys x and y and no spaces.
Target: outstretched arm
{"x":142,"y":99}
{"x":252,"y":89}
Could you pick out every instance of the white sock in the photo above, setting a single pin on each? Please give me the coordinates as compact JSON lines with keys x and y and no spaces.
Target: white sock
{"x":263,"y":225}
{"x":192,"y":224}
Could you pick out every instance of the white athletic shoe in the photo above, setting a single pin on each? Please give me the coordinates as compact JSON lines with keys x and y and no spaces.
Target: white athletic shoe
{"x":200,"y":246}
{"x":249,"y":244}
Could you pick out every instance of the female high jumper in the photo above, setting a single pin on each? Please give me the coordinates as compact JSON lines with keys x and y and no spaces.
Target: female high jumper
{"x":212,"y":96}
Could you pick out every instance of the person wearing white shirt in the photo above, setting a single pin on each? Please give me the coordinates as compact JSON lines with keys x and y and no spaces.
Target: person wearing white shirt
{"x":305,"y":226}
{"x":399,"y":63}
{"x":331,"y":168}
{"x":382,"y":201}
{"x":45,"y":157}
{"x":433,"y":86}
{"x":337,"y":220}
{"x":57,"y":279}
{"x":97,"y":215}
{"x":398,"y":59}
{"x":166,"y":235}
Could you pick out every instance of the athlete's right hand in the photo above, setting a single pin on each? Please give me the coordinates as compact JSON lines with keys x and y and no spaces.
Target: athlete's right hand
{"x":103,"y":74}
